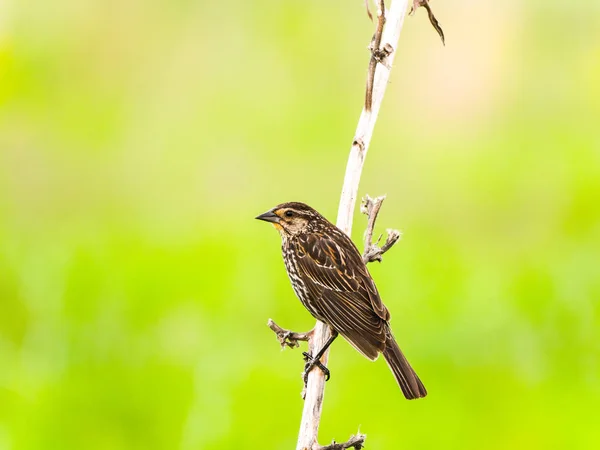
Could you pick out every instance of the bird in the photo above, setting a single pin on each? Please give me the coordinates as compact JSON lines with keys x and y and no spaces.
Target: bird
{"x":332,"y":281}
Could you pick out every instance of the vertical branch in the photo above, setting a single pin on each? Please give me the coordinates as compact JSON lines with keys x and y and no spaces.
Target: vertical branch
{"x":366,"y":123}
{"x":315,"y":390}
{"x":313,"y":403}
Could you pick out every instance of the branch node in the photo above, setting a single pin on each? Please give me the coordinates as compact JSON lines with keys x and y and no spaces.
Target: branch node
{"x":358,"y":142}
{"x":380,"y":55}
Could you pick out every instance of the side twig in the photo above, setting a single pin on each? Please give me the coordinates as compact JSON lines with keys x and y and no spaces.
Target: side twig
{"x":370,"y":207}
{"x":357,"y":442}
{"x":287,"y":337}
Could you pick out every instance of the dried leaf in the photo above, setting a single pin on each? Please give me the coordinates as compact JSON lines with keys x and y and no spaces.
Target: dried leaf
{"x":368,"y":10}
{"x":432,"y":19}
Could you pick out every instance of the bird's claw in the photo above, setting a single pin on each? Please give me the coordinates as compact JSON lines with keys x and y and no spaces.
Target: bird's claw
{"x":312,"y":362}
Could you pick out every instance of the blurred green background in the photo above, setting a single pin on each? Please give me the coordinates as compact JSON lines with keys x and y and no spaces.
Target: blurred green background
{"x":138,"y":140}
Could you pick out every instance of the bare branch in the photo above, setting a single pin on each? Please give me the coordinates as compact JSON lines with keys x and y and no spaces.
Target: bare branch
{"x":393,"y":237}
{"x":287,"y":337}
{"x":366,"y":123}
{"x":357,"y":442}
{"x":370,"y":207}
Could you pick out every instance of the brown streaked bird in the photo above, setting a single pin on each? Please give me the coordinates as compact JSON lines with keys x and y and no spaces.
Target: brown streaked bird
{"x":331,"y":280}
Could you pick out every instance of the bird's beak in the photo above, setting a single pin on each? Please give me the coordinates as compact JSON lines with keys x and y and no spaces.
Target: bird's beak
{"x":269,"y":216}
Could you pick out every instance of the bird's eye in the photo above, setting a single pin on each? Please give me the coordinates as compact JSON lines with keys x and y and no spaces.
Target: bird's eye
{"x":289,"y":213}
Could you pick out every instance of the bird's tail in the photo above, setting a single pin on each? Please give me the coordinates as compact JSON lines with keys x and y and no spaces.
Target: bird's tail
{"x":405,"y":375}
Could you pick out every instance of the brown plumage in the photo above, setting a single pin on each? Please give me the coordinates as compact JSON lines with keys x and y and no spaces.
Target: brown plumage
{"x":332,"y":281}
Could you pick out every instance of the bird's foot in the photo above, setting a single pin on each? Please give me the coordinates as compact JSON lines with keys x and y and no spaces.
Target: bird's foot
{"x":313,"y":362}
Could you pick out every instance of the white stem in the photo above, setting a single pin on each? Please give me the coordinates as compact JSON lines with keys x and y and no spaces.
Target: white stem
{"x":366,"y":122}
{"x":315,"y":390}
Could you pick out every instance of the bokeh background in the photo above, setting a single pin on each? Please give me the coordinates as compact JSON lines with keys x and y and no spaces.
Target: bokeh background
{"x":138,"y":140}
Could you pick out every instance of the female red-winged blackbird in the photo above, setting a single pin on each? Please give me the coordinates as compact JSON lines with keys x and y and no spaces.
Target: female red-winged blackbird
{"x":332,"y":281}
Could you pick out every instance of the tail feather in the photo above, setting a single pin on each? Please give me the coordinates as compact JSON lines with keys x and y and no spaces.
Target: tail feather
{"x":406,"y":377}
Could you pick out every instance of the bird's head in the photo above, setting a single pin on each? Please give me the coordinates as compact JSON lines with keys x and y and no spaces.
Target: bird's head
{"x":291,"y":218}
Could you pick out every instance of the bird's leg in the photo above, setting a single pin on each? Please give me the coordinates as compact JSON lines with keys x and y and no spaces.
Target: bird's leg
{"x":312,"y":361}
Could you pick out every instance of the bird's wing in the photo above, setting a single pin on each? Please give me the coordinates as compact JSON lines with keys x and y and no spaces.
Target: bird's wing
{"x":343,"y":291}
